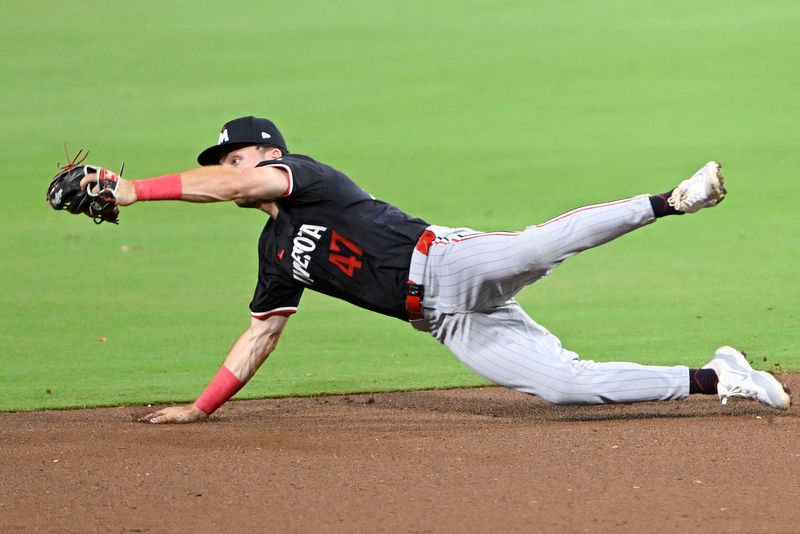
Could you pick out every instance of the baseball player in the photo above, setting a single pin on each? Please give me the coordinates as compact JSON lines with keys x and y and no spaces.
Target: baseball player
{"x":326,"y":234}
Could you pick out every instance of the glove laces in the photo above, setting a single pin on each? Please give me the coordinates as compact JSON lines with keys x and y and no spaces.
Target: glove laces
{"x":737,"y":391}
{"x":73,"y":162}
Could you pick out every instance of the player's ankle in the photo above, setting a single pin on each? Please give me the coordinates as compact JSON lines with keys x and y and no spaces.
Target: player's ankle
{"x":703,"y":381}
{"x":661,"y":206}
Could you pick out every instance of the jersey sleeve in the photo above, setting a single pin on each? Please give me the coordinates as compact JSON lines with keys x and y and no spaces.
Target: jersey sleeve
{"x":274,"y":296}
{"x":307,"y":183}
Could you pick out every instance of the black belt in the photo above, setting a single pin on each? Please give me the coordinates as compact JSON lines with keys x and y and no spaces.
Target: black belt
{"x":416,"y":292}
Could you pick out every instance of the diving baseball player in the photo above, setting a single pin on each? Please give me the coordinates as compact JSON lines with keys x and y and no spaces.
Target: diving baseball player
{"x":326,"y":234}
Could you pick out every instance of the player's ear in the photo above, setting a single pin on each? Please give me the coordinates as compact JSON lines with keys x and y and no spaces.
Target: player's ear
{"x":271,"y":152}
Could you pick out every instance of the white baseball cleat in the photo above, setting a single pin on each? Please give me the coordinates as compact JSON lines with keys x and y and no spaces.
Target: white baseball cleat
{"x":705,"y":189}
{"x":738,"y":379}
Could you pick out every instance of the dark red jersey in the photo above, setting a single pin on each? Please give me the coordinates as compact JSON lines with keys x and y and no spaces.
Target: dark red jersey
{"x":333,"y":237}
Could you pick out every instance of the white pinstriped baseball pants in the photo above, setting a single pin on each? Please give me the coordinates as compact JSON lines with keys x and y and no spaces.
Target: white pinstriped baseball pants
{"x":470,"y":279}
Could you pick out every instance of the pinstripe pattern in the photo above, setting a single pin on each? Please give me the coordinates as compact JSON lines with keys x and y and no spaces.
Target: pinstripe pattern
{"x":471,"y":278}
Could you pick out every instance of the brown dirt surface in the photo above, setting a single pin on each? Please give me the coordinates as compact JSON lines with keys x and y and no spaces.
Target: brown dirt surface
{"x":432,"y":461}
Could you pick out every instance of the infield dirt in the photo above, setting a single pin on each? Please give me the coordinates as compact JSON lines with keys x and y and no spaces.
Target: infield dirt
{"x":432,"y":461}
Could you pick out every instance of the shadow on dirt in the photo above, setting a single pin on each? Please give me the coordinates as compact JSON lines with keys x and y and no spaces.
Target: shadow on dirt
{"x":505,"y":404}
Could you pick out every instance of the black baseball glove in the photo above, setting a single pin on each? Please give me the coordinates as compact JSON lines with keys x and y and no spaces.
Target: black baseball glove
{"x":97,"y":201}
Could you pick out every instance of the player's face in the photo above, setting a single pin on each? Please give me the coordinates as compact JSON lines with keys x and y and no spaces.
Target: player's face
{"x":244,"y":158}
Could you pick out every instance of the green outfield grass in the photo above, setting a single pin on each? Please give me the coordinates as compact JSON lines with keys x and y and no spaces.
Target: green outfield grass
{"x":493,"y":115}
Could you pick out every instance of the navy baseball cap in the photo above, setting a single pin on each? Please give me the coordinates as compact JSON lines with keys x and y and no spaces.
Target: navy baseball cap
{"x":243,"y":131}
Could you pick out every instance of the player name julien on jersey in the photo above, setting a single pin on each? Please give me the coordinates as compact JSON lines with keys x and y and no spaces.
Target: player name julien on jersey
{"x":305,"y":242}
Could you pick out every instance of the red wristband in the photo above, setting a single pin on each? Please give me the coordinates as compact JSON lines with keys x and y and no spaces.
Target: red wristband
{"x":223,"y":387}
{"x":167,"y":187}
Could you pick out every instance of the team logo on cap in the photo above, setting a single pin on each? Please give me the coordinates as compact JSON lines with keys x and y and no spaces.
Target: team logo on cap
{"x":265,"y":135}
{"x":223,"y":136}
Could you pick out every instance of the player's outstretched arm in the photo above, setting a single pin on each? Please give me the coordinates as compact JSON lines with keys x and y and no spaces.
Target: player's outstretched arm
{"x":212,"y":183}
{"x":248,"y":353}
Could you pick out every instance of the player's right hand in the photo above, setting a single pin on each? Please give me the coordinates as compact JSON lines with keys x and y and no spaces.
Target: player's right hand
{"x":187,"y":413}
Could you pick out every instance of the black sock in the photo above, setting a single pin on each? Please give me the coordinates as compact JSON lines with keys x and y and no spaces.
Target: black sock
{"x":661,"y":207}
{"x":703,"y":381}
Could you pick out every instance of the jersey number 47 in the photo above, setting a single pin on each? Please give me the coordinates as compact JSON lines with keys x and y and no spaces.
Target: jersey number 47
{"x":348,"y":264}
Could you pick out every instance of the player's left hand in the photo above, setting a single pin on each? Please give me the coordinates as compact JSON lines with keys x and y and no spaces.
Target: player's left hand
{"x":187,"y":413}
{"x":123,"y":191}
{"x":71,"y":189}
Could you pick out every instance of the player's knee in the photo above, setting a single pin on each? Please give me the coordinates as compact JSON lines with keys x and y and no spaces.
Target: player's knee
{"x":534,"y":253}
{"x":571,"y":387}
{"x":558,"y":397}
